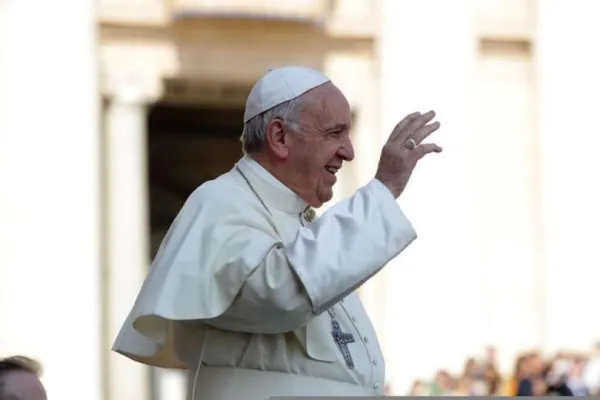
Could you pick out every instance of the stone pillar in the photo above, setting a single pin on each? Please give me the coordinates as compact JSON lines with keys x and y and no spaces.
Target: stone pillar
{"x":355,"y":73}
{"x":427,"y":51}
{"x":50,"y":193}
{"x":568,"y":81}
{"x":127,"y":228}
{"x":507,"y":201}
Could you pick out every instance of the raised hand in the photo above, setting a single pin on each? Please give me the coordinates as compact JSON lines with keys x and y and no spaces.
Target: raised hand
{"x":404,"y":149}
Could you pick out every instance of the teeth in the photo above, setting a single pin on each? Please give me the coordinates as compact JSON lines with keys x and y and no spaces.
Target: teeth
{"x":331,"y":170}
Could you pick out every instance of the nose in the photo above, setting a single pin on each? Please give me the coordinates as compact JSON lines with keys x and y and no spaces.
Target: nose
{"x":346,"y":151}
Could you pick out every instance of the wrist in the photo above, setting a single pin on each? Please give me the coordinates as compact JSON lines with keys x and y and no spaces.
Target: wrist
{"x":393,"y":191}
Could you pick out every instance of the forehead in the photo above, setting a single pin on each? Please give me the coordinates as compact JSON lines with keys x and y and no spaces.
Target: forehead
{"x":329,"y":107}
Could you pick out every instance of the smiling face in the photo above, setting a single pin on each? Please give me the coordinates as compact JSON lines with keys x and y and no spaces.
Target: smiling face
{"x":317,"y":144}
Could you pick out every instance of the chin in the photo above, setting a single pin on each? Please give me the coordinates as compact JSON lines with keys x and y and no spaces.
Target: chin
{"x":315,"y":204}
{"x":323,"y":197}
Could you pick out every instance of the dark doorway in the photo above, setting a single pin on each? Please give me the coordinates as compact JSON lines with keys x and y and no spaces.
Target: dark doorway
{"x":187,"y":145}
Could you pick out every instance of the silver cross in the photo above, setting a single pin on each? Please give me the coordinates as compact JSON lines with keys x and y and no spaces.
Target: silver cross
{"x":342,"y":339}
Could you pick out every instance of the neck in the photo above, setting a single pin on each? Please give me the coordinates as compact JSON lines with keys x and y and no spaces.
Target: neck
{"x":284,"y":173}
{"x":274,"y":167}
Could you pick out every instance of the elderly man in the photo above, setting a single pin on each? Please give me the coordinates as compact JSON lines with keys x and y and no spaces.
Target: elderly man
{"x":251,"y":293}
{"x":20,"y":379}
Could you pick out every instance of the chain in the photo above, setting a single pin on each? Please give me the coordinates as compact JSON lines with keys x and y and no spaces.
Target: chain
{"x":331,"y":312}
{"x":253,"y":191}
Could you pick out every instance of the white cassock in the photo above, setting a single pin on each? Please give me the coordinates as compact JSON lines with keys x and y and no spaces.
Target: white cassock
{"x":246,"y":287}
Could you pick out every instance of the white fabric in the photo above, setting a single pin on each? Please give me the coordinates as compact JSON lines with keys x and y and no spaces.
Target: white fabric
{"x":281,"y":85}
{"x":250,"y":287}
{"x":267,"y":384}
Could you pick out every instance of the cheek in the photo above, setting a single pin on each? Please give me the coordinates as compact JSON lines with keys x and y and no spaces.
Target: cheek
{"x":312,"y":156}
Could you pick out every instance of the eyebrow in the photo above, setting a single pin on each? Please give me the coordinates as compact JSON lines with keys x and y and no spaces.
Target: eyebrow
{"x":337,"y":127}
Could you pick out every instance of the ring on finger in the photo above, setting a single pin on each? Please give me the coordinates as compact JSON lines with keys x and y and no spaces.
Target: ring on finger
{"x":410,"y":144}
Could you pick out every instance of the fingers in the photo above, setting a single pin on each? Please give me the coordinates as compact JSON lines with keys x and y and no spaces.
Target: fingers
{"x":426,"y":148}
{"x":415,"y":125}
{"x":403,"y":124}
{"x":410,"y":125}
{"x":425,"y":131}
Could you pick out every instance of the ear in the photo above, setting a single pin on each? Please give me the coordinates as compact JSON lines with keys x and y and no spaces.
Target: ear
{"x":276,"y":139}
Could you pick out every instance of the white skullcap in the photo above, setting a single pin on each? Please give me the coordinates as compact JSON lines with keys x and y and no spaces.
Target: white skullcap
{"x":281,"y":85}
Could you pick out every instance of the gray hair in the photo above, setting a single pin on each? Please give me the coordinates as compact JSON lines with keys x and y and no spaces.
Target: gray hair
{"x":254,"y":133}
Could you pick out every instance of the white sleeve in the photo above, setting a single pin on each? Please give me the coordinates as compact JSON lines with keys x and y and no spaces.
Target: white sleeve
{"x":328,"y":259}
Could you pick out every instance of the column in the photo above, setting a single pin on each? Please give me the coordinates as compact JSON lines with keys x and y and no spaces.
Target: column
{"x":355,"y":73}
{"x":567,"y":65}
{"x":50,"y":193}
{"x":127,"y":229}
{"x":427,"y":50}
{"x":507,"y":202}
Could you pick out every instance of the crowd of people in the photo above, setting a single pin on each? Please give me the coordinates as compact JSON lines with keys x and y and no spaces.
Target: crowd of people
{"x":564,"y":374}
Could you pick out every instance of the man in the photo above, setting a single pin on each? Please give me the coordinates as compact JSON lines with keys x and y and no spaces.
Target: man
{"x":20,"y":379}
{"x":248,"y":291}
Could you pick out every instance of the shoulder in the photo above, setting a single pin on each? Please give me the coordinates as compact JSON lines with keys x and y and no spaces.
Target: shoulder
{"x":224,"y":192}
{"x":224,"y":200}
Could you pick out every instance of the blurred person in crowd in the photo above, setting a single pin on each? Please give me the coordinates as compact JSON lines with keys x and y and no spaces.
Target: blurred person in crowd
{"x":463,"y":386}
{"x":575,"y":381}
{"x":557,"y":390}
{"x":531,"y":379}
{"x":491,"y":356}
{"x":475,"y":374}
{"x":491,"y":373}
{"x":493,"y":379}
{"x":555,"y":376}
{"x":419,"y":388}
{"x":20,"y":379}
{"x":591,"y":374}
{"x":251,"y":292}
{"x":561,"y":366}
{"x":470,"y":368}
{"x":442,"y":384}
{"x":512,"y":384}
{"x":526,"y":376}
{"x":480,"y":388}
{"x":522,"y":377}
{"x":538,"y":388}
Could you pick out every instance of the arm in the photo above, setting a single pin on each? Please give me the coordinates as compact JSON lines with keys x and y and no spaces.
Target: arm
{"x":328,"y":259}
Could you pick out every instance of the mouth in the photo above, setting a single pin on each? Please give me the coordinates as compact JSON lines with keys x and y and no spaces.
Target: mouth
{"x":332,"y":170}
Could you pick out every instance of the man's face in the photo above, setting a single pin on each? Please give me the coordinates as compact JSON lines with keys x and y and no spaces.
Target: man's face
{"x":22,"y":385}
{"x":322,"y":144}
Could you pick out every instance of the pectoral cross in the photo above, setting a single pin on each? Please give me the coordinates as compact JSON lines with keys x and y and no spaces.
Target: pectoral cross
{"x":342,"y":339}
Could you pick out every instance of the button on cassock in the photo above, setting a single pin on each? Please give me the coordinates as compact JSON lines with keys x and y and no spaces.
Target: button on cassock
{"x":310,"y":215}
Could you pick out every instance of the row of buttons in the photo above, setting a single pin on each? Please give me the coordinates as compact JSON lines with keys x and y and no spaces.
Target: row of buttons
{"x":309,"y":216}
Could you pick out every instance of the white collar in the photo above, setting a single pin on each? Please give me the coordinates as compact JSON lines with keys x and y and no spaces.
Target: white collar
{"x":270,"y":190}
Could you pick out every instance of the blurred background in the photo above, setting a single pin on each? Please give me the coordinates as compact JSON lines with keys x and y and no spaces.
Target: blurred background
{"x":113,"y":111}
